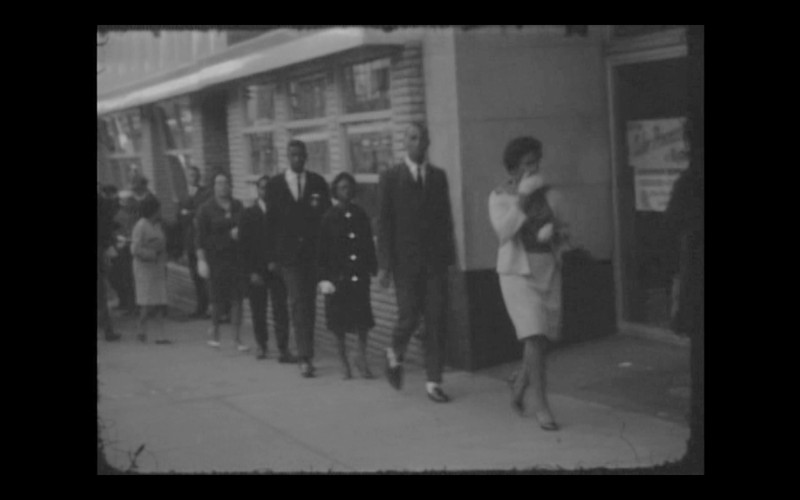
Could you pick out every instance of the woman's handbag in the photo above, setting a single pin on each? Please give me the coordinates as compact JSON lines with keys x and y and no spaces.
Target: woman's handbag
{"x":539,"y":214}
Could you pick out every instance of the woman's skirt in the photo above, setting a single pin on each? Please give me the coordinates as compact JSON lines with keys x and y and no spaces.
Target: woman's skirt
{"x":150,"y":279}
{"x":534,"y":306}
{"x":349,"y":309}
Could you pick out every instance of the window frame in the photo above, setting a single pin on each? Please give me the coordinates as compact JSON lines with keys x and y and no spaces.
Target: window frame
{"x":323,"y":75}
{"x":344,"y":90}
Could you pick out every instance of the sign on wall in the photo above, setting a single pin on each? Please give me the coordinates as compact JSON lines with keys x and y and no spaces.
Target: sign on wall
{"x":658,"y":154}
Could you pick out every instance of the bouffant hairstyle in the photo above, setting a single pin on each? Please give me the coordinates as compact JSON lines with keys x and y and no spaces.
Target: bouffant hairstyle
{"x":149,"y":207}
{"x":518,"y":148}
{"x":339,"y":178}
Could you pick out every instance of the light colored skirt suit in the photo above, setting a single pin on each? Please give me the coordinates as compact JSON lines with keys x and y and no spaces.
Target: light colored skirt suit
{"x":149,"y":263}
{"x":530,"y":282}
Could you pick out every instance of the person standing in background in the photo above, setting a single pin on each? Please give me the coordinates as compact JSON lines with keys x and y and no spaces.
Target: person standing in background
{"x":219,"y":257}
{"x":256,"y":238}
{"x":196,"y":196}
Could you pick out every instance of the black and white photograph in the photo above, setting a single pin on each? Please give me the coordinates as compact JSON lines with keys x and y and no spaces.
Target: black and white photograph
{"x":465,"y":249}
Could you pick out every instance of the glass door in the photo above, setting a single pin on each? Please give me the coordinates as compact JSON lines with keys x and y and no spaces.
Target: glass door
{"x":650,"y":107}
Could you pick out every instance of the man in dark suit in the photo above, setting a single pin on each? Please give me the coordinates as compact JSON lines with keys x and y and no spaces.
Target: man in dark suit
{"x":298,"y":200}
{"x":415,"y":248}
{"x":188,"y":206}
{"x":254,"y":241}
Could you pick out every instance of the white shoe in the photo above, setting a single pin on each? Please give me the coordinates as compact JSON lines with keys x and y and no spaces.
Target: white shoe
{"x":243,"y":348}
{"x":214,"y":343}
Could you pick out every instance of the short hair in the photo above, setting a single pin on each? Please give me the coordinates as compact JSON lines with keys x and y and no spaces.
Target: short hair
{"x":342,"y":176}
{"x":519,"y":147}
{"x":297,"y":143}
{"x":420,"y":125}
{"x":223,"y":173}
{"x":139,"y":180}
{"x":149,"y":207}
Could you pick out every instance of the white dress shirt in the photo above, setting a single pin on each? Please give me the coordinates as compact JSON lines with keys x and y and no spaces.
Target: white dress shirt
{"x":416,"y":169}
{"x":262,"y":205}
{"x":291,"y":179}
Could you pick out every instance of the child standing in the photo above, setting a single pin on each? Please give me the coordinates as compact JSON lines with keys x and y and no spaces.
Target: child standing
{"x":346,"y":261}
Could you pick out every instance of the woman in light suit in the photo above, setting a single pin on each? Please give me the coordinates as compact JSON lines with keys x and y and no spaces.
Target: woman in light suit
{"x":526,"y":215}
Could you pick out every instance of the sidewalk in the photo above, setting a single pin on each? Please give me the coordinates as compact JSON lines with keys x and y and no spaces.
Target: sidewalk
{"x":196,"y":409}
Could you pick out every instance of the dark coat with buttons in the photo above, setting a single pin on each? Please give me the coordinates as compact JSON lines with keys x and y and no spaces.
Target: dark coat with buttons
{"x":346,"y":257}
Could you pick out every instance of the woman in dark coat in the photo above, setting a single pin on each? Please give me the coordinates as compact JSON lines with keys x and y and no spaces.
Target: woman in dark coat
{"x":346,"y":261}
{"x":218,"y":256}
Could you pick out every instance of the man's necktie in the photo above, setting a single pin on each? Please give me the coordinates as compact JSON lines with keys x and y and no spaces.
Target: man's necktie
{"x":299,"y":189}
{"x":420,"y":182}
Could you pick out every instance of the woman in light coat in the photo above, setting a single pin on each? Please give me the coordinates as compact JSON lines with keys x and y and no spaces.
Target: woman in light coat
{"x":526,"y":216}
{"x":149,"y":249}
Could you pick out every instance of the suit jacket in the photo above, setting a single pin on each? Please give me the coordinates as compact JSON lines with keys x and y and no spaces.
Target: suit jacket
{"x":186,"y":220}
{"x":346,"y":249}
{"x":295,"y":224}
{"x":415,"y":227}
{"x":255,"y":238}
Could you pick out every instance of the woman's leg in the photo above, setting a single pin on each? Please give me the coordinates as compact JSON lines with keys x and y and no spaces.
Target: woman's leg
{"x":161,"y":316}
{"x":341,"y":342}
{"x":363,"y":364}
{"x":144,"y":312}
{"x":537,"y":370}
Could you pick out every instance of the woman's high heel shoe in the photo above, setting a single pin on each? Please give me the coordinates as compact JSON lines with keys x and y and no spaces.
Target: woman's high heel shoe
{"x":546,"y":421}
{"x":517,"y":402}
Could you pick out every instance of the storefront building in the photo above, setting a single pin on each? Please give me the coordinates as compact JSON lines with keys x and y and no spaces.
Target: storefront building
{"x":350,"y":94}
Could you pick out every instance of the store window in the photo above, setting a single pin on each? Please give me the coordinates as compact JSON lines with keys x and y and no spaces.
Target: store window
{"x":369,"y":147}
{"x":176,"y":126}
{"x":307,"y":97}
{"x":366,"y":86}
{"x":259,"y":103}
{"x":121,"y":136}
{"x":263,"y":156}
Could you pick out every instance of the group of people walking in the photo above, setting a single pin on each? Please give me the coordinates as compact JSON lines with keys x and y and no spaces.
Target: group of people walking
{"x":302,"y":237}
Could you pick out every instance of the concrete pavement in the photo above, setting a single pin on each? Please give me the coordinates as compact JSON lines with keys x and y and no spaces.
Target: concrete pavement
{"x":197,"y":409}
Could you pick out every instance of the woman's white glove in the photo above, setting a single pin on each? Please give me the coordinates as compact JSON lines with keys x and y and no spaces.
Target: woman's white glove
{"x":545,"y":234}
{"x":326,"y":287}
{"x":202,"y":269}
{"x":530,"y":184}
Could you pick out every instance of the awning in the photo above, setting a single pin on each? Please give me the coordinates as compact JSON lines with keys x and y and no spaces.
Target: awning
{"x":249,"y":58}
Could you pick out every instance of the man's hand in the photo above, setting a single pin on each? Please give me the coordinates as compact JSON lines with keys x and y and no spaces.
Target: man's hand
{"x":202,"y":269}
{"x":255,"y":279}
{"x":235,"y":233}
{"x":384,"y":279}
{"x":272,"y":267}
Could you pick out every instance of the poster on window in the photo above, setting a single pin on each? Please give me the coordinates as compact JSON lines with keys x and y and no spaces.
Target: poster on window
{"x":658,"y":154}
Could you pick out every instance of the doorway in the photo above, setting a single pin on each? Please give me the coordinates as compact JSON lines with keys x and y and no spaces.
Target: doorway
{"x":650,"y":103}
